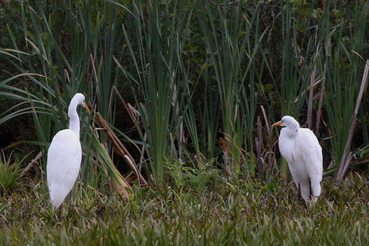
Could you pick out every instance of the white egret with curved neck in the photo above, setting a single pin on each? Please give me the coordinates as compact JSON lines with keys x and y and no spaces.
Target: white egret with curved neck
{"x":64,"y":155}
{"x":301,"y":149}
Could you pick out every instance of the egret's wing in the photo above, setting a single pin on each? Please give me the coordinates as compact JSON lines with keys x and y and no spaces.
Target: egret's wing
{"x":63,"y":157}
{"x":287,"y":147}
{"x":312,"y":155}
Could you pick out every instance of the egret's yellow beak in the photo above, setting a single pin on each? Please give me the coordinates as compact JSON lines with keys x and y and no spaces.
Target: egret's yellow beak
{"x":277,"y":123}
{"x":86,"y":107}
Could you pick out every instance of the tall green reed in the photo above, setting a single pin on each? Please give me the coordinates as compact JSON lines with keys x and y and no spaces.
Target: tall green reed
{"x":232,"y":41}
{"x":68,"y":50}
{"x":159,"y":33}
{"x":344,"y":71}
{"x":298,"y":47}
{"x":202,"y":117}
{"x":322,"y":46}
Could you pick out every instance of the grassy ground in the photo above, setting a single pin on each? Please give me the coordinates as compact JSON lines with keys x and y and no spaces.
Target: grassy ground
{"x":248,"y":213}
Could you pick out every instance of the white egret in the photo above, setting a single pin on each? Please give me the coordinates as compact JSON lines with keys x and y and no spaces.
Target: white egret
{"x":301,"y":149}
{"x":64,"y":155}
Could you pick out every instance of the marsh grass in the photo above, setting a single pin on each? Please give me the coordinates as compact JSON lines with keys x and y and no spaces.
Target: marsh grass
{"x":232,"y":45}
{"x":9,"y":171}
{"x":156,"y":72}
{"x":255,"y":213}
{"x":53,"y":68}
{"x":196,"y":71}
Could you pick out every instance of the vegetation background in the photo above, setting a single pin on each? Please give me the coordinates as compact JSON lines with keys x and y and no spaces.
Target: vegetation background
{"x":179,"y":148}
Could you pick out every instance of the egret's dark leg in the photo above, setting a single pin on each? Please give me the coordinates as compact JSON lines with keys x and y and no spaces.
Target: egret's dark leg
{"x":71,"y":206}
{"x":311,"y":191}
{"x":300,"y":196}
{"x":59,"y":212}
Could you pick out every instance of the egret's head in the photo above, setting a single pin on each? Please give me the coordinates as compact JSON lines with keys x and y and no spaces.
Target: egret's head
{"x":289,"y":122}
{"x":79,"y":99}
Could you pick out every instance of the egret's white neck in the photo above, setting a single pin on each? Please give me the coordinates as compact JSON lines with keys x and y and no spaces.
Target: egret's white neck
{"x":73,"y":118}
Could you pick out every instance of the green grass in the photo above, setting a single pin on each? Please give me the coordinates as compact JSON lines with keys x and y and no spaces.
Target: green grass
{"x":193,"y":73}
{"x":256,"y":213}
{"x":9,"y":172}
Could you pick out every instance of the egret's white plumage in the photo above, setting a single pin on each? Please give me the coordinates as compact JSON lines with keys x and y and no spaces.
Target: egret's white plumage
{"x":64,"y":156}
{"x":301,"y":149}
